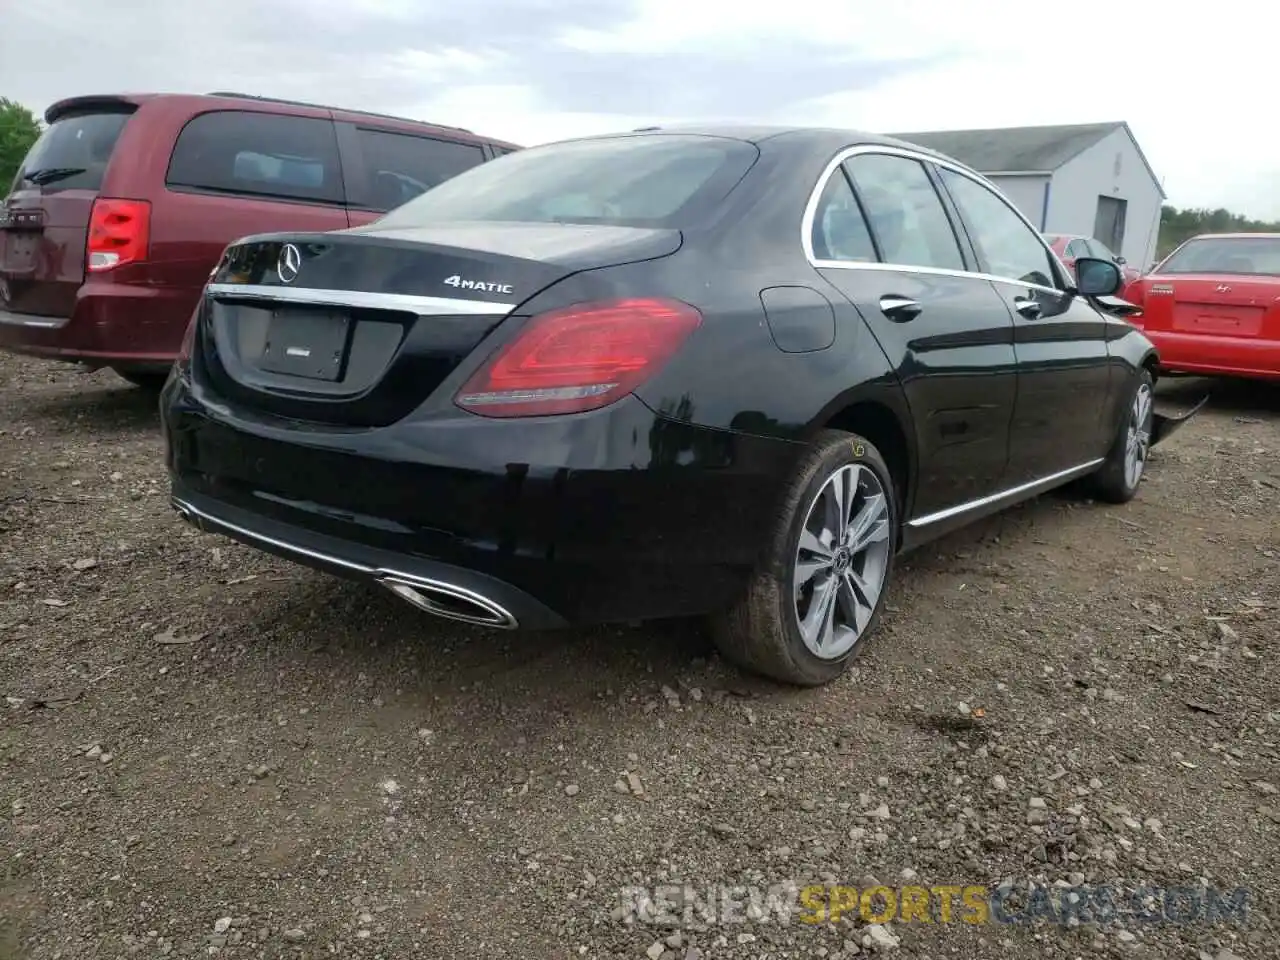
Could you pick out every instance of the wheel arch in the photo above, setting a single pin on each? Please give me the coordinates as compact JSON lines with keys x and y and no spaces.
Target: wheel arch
{"x":884,"y":423}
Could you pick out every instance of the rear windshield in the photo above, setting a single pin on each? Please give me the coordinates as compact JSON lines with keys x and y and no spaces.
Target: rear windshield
{"x":625,"y":181}
{"x":73,"y":152}
{"x":1255,"y":256}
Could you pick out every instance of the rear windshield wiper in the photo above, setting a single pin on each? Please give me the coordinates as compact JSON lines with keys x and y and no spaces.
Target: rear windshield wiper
{"x":50,"y":174}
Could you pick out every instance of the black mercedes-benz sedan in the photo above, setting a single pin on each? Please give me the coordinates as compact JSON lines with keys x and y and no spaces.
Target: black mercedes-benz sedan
{"x":724,"y":372}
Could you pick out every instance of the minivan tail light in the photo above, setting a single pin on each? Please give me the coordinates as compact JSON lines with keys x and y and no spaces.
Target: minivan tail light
{"x":579,"y":358}
{"x":119,"y":233}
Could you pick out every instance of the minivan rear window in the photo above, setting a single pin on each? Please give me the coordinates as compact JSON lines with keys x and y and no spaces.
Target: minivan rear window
{"x":73,"y":152}
{"x":652,"y":180}
{"x":258,"y":154}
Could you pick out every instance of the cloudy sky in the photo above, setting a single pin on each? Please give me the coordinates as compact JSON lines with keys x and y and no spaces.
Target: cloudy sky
{"x":1190,"y":79}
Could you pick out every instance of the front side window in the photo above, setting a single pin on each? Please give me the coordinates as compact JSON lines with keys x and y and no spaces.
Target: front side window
{"x":839,"y":229}
{"x":906,"y":215}
{"x":655,"y":181}
{"x":258,"y":154}
{"x":401,"y":166}
{"x":1248,"y":256}
{"x":1100,"y":250}
{"x":1006,"y":245}
{"x":1077,"y":249}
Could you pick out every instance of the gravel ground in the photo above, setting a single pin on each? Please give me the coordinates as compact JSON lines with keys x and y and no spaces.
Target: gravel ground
{"x":205,"y":750}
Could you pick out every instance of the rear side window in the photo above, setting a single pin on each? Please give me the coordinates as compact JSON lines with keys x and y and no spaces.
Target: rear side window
{"x":73,"y":153}
{"x":839,"y":229}
{"x":401,"y":166}
{"x":657,"y":181}
{"x":258,"y":154}
{"x":908,"y":220}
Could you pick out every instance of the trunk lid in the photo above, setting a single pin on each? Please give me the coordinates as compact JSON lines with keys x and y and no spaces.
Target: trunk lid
{"x":44,"y":221}
{"x":1221,"y":305}
{"x":358,"y":327}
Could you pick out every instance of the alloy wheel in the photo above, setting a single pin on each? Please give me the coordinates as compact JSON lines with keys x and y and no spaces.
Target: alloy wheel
{"x":842,"y":561}
{"x":1138,"y":436}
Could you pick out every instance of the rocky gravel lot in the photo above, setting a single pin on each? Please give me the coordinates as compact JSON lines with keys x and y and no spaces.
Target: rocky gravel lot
{"x":206,"y":751}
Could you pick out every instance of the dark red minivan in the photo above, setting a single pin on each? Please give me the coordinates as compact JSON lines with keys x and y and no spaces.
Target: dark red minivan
{"x":124,"y":205}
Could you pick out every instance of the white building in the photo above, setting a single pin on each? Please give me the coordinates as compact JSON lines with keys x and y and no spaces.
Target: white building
{"x":1088,"y":179}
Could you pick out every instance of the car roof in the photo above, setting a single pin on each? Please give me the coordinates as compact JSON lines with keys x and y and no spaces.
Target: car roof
{"x":819,"y":138}
{"x":270,"y":104}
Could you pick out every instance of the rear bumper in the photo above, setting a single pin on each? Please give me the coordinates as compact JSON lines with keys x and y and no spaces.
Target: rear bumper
{"x":111,"y":325}
{"x":1212,"y":355}
{"x":344,"y":558}
{"x":620,"y":514}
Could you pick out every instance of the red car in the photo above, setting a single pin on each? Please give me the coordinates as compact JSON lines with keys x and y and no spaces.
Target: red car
{"x":125,"y":204}
{"x":1069,"y":246}
{"x":1213,"y":306}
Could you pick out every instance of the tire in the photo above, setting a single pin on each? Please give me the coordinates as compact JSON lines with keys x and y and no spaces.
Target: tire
{"x":1120,"y":475}
{"x":762,"y":633}
{"x":151,"y":381}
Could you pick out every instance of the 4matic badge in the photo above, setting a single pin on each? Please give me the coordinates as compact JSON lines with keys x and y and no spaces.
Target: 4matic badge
{"x":457,"y":281}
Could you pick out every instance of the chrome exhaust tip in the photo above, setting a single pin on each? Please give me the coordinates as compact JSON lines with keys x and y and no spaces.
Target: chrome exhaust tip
{"x":449,"y":602}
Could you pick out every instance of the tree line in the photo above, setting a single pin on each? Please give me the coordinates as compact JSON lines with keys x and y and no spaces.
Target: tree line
{"x":19,"y":129}
{"x":1178,"y":225}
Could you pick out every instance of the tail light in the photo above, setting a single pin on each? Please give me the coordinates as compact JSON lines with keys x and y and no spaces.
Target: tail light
{"x":119,"y":233}
{"x":580,"y":358}
{"x":1133,"y":292}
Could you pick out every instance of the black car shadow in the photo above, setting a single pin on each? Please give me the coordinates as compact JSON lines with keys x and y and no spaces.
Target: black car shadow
{"x":359,"y":629}
{"x":115,"y":405}
{"x":1236,"y":395}
{"x":369,"y":630}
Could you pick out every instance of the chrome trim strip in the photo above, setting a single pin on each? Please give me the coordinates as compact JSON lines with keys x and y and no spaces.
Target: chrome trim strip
{"x":1012,"y":493}
{"x":811,"y":212}
{"x":27,"y":320}
{"x":385,"y":576}
{"x":359,"y":299}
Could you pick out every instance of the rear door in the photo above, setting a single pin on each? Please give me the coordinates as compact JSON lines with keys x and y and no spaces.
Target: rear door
{"x":44,"y":221}
{"x":944,"y":330}
{"x":386,"y":168}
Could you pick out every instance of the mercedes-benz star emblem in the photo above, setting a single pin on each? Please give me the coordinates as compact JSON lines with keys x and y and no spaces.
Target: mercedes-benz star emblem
{"x":289,"y":264}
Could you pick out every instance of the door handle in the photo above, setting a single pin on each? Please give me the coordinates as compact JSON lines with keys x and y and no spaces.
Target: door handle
{"x":1027,"y":307}
{"x":900,"y":309}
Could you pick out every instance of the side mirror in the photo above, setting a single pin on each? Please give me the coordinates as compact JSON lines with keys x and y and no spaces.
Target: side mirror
{"x":1097,"y":278}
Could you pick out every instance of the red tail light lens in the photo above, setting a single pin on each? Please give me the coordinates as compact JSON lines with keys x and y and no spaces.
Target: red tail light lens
{"x":580,"y":358}
{"x":119,"y":233}
{"x":1133,"y":292}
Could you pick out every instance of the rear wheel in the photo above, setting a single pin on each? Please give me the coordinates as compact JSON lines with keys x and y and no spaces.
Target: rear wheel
{"x":818,"y":593}
{"x":1120,"y":475}
{"x":149,"y":380}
